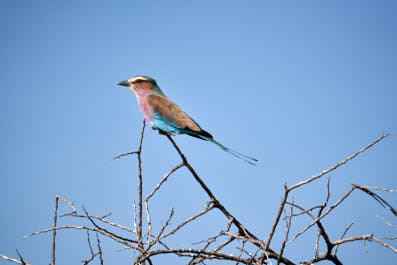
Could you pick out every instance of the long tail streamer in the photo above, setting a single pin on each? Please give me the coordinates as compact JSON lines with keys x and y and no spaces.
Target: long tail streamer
{"x":248,"y":159}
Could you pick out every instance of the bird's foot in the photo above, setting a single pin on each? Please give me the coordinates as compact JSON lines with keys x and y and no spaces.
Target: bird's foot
{"x":162,"y":132}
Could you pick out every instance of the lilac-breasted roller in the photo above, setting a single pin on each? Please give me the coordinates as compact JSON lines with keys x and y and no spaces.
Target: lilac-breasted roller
{"x":165,"y":116}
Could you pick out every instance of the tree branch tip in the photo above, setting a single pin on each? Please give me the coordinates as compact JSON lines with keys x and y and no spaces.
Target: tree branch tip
{"x":106,"y":215}
{"x":125,"y":154}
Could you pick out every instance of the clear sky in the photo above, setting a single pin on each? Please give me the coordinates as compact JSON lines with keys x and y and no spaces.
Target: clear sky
{"x":299,"y":85}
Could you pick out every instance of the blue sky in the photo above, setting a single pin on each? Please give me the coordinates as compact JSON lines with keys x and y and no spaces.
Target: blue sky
{"x":299,"y":85}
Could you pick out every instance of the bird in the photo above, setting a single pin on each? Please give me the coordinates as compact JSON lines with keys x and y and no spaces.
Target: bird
{"x":167,"y":117}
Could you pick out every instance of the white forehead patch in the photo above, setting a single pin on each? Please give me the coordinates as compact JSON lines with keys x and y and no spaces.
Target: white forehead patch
{"x":135,"y":78}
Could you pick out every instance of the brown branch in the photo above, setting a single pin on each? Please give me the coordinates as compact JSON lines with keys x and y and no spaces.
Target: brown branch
{"x":139,"y":231}
{"x":377,"y":188}
{"x":89,"y":242}
{"x":324,"y":214}
{"x":163,"y":180}
{"x":206,"y":210}
{"x":342,"y":236}
{"x":252,"y":240}
{"x":193,"y":253}
{"x":140,"y":145}
{"x":200,"y":255}
{"x":138,"y":228}
{"x":376,"y":197}
{"x":125,"y":154}
{"x":134,"y":216}
{"x":340,"y":163}
{"x":93,"y":255}
{"x":321,"y":232}
{"x":277,"y":219}
{"x":241,"y":251}
{"x":364,"y":237}
{"x":287,"y":228}
{"x":119,"y":239}
{"x":153,"y":192}
{"x":99,"y":249}
{"x":69,"y":204}
{"x":288,"y":189}
{"x":240,"y":227}
{"x":105,"y":221}
{"x":212,"y":240}
{"x":104,"y":230}
{"x":54,"y":231}
{"x":306,"y":211}
{"x":162,"y":230}
{"x":13,"y":260}
{"x":20,"y":257}
{"x":85,"y":262}
{"x":384,"y":221}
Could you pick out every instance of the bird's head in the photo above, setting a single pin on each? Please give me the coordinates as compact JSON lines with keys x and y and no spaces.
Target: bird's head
{"x":140,"y":84}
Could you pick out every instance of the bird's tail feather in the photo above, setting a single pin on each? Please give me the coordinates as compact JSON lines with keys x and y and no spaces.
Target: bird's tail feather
{"x":248,"y":159}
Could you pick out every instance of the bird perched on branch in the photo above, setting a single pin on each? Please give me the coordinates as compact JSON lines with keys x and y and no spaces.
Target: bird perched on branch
{"x":165,"y":116}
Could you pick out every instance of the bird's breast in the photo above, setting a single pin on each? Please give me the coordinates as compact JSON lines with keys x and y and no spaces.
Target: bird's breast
{"x":146,"y":110}
{"x":144,"y":106}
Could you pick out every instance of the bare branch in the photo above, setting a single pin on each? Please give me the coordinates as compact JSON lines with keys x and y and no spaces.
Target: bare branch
{"x":240,"y":227}
{"x":89,"y":242}
{"x":305,"y":211}
{"x":364,"y":237}
{"x":207,"y":209}
{"x":20,"y":257}
{"x":105,"y":221}
{"x":13,"y":260}
{"x":140,"y":144}
{"x":288,"y":189}
{"x":134,"y":213}
{"x":342,"y":236}
{"x":277,"y":219}
{"x":287,"y":228}
{"x":99,"y":249}
{"x":193,"y":253}
{"x":241,"y":251}
{"x":105,"y":231}
{"x":376,"y":188}
{"x":119,"y":239}
{"x":54,"y":231}
{"x":85,"y":262}
{"x":324,"y":214}
{"x":163,"y":180}
{"x":388,"y":224}
{"x":163,"y":228}
{"x":125,"y":154}
{"x":340,"y":163}
{"x":233,"y":231}
{"x":69,"y":204}
{"x":152,"y":193}
{"x":139,"y":229}
{"x":376,"y":197}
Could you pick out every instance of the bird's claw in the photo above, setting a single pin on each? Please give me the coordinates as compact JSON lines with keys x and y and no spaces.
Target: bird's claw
{"x":162,"y":132}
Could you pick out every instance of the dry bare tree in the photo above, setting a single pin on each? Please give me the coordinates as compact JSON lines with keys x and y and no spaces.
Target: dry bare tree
{"x":248,"y":247}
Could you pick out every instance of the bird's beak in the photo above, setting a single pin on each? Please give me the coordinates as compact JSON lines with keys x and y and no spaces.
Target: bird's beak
{"x":124,"y":83}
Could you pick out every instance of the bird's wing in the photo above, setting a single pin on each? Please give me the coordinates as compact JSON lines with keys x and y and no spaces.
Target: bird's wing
{"x":168,"y":109}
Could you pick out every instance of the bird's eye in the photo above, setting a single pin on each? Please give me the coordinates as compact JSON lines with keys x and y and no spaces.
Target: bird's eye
{"x":138,"y":81}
